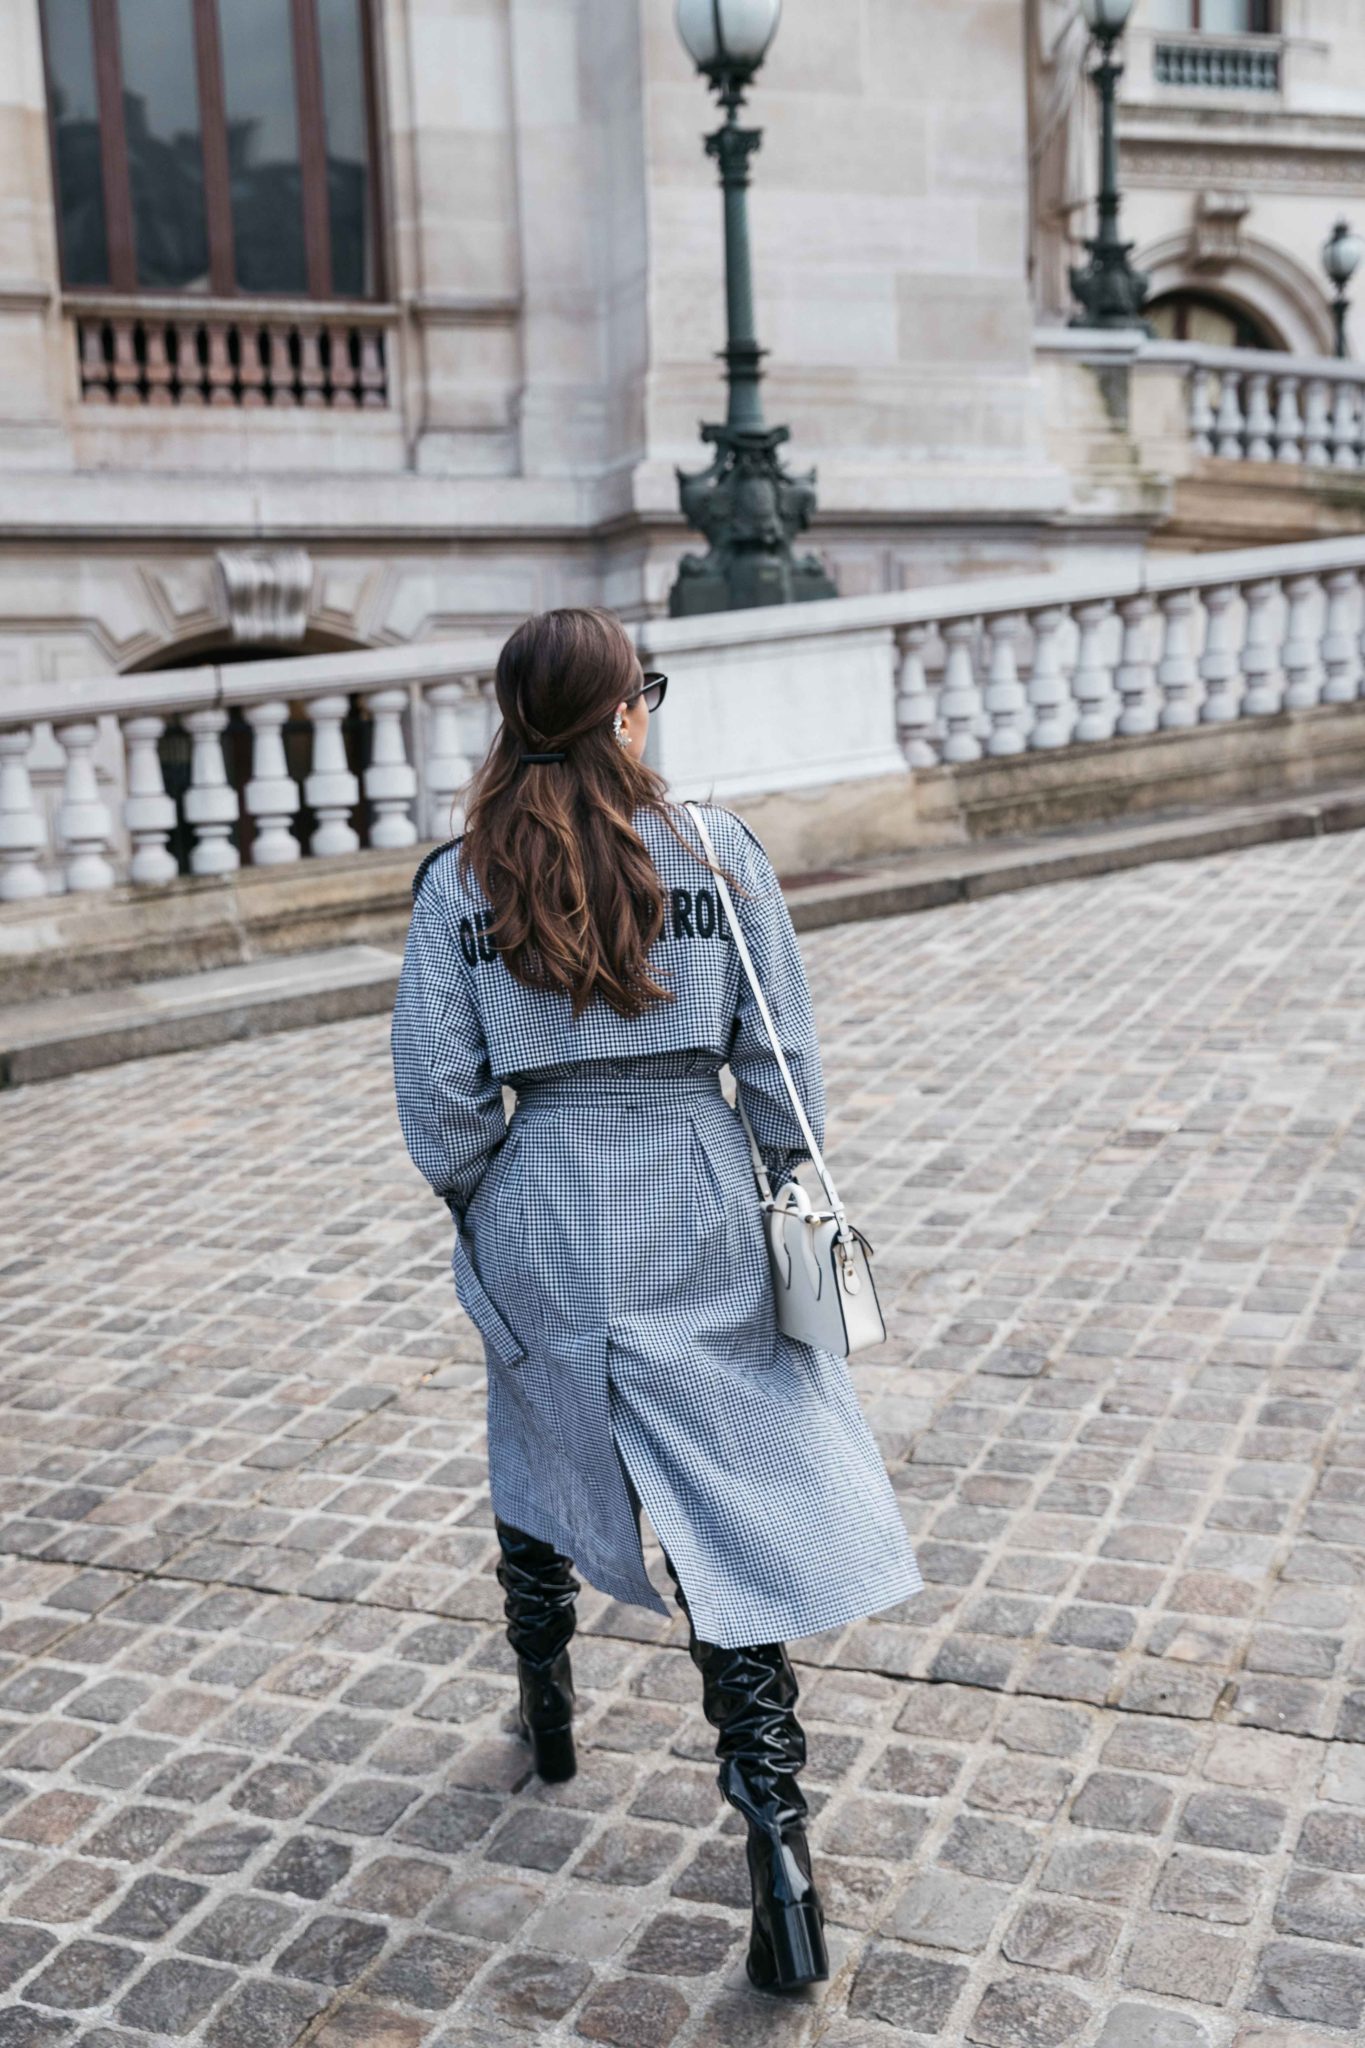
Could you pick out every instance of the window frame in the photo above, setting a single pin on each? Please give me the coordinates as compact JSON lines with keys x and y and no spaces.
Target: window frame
{"x":120,"y":239}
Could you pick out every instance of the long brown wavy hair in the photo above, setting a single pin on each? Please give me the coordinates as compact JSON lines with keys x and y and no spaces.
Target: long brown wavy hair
{"x":576,"y":900}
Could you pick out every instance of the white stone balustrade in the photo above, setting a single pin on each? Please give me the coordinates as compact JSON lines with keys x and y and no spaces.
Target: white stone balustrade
{"x":1257,"y":405}
{"x":957,"y":681}
{"x":982,"y":671}
{"x":428,"y":726}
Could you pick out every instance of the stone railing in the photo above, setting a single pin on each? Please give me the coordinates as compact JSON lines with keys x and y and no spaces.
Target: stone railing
{"x":1218,"y":63}
{"x":1011,"y":666}
{"x":231,"y":352}
{"x":775,"y":702}
{"x":1256,"y":405}
{"x":424,"y":715}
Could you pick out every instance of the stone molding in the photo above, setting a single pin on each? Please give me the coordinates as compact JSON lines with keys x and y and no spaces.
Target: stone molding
{"x":267,"y":592}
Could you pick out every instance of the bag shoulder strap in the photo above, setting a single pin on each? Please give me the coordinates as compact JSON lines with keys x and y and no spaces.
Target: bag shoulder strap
{"x":746,"y":961}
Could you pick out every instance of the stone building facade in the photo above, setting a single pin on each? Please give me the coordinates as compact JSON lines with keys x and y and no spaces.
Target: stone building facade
{"x":1242,"y":142}
{"x":343,"y":323}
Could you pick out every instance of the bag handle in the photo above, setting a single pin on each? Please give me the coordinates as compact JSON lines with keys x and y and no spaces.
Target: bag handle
{"x":746,"y":961}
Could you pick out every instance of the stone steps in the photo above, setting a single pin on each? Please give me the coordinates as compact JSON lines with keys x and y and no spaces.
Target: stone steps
{"x":41,"y":1041}
{"x":52,"y":1036}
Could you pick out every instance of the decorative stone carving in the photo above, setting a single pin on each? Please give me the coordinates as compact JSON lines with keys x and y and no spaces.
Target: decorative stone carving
{"x":1216,"y":239}
{"x":267,"y":592}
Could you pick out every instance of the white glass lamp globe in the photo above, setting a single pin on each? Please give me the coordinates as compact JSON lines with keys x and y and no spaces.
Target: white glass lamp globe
{"x":1341,"y":253}
{"x":1106,"y":18}
{"x":718,"y":34}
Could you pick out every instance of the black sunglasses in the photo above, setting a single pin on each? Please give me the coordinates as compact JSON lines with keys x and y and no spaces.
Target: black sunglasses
{"x":654,"y":691}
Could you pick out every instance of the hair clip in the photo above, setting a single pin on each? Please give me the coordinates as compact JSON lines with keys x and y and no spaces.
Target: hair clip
{"x":544,"y":757}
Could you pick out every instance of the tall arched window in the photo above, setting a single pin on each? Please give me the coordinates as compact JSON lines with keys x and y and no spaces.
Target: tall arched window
{"x":213,"y":146}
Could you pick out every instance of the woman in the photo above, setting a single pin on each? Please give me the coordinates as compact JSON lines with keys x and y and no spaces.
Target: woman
{"x":609,"y":1245}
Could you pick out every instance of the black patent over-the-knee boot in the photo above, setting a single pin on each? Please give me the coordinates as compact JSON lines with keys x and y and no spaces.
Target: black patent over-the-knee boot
{"x":749,"y":1697}
{"x":540,"y":1590}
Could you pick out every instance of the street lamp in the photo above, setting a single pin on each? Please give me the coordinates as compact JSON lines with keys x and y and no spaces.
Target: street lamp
{"x":1111,"y":293}
{"x":745,"y":503}
{"x":1341,"y":254}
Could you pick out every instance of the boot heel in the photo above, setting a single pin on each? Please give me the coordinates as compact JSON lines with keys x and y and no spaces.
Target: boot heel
{"x":789,"y":1951}
{"x":553,"y":1751}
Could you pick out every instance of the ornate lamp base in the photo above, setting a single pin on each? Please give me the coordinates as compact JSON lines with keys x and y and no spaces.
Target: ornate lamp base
{"x":1111,"y":291}
{"x":750,"y":508}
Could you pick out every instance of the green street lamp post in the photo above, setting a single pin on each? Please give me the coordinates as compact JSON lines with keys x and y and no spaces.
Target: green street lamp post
{"x":1341,"y":254}
{"x":745,"y":502}
{"x":1110,"y":292}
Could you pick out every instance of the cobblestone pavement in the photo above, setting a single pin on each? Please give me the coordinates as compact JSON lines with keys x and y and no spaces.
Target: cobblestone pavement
{"x":1104,"y":1783}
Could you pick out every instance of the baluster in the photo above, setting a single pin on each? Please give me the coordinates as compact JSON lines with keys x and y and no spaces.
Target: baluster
{"x":342,"y":368}
{"x":1134,"y":674}
{"x":148,"y":812}
{"x":1004,"y":699}
{"x":210,"y":802}
{"x":1260,"y":418}
{"x":1317,"y":420}
{"x":1264,"y":686}
{"x":448,"y":766}
{"x":1176,"y":672}
{"x":85,"y":827}
{"x":1345,"y":424}
{"x":1303,"y":673}
{"x":23,"y":831}
{"x":251,"y":354}
{"x":283,"y":395}
{"x":330,"y":789}
{"x":1047,"y":691}
{"x":272,"y":795}
{"x":959,"y":699}
{"x":310,"y":364}
{"x":1229,"y":423}
{"x":1340,"y":649}
{"x":1201,"y":414}
{"x":914,"y":703}
{"x":390,"y":783}
{"x":219,"y":371}
{"x":190,"y":362}
{"x":94,"y":365}
{"x":127,"y":372}
{"x":1090,"y":681}
{"x":1288,"y":421}
{"x":1218,"y":662}
{"x":158,"y":364}
{"x":374,"y":382}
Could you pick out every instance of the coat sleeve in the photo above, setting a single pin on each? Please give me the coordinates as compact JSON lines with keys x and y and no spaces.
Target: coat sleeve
{"x":767,"y":927}
{"x":449,"y":1104}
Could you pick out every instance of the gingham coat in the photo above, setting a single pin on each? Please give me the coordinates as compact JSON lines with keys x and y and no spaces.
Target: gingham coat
{"x":610,"y":1252}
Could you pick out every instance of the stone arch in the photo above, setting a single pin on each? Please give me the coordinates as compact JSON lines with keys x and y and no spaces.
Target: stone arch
{"x":208,"y":646}
{"x":1278,"y":291}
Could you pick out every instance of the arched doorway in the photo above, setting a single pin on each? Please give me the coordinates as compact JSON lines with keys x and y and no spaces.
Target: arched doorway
{"x":1207,"y":317}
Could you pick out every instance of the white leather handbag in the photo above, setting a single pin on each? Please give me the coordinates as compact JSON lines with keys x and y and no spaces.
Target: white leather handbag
{"x":821,"y":1269}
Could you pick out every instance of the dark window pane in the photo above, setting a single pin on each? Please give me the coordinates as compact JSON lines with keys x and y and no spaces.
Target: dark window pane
{"x":348,"y":149}
{"x":263,"y":145}
{"x":76,"y":134}
{"x":165,"y":151}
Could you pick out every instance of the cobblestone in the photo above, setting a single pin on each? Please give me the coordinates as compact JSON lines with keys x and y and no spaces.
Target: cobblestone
{"x":1103,"y":1786}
